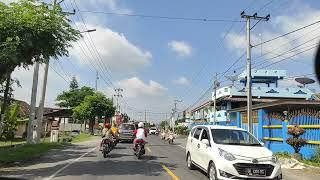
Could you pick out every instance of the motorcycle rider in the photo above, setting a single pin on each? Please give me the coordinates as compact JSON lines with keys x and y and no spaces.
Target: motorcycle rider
{"x":106,"y":134}
{"x":140,"y":134}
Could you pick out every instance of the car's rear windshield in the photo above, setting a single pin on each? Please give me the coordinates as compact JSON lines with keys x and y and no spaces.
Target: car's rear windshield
{"x":127,"y":127}
{"x":234,"y":137}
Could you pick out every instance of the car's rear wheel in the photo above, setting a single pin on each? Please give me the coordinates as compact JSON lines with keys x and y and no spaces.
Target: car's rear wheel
{"x":189,"y":162}
{"x":212,"y":172}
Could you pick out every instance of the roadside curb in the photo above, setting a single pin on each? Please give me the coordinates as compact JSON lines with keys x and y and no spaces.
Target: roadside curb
{"x":298,"y":163}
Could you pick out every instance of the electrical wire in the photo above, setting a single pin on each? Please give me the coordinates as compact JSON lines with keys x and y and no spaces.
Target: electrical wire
{"x":161,"y":17}
{"x":286,"y":34}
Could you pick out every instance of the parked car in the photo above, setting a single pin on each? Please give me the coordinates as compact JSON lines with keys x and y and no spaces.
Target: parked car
{"x":126,"y":132}
{"x":74,"y":133}
{"x":153,"y":130}
{"x":230,"y":153}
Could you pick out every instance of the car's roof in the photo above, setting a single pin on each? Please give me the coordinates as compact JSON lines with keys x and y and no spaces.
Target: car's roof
{"x":220,"y":127}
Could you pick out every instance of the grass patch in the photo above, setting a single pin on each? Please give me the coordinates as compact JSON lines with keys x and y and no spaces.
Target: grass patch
{"x":26,"y":152}
{"x":13,"y":142}
{"x":81,"y":137}
{"x":283,"y":155}
{"x":309,"y":162}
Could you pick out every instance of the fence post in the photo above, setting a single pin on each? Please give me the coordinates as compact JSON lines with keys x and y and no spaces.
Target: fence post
{"x":238,"y":119}
{"x":261,"y":114}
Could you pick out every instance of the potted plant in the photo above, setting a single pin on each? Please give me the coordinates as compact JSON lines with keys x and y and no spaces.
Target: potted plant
{"x":296,"y":141}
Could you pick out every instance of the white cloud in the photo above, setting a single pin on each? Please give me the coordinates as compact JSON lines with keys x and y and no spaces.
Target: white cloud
{"x":117,"y":52}
{"x":135,"y":87}
{"x":296,"y":18}
{"x":182,"y":48}
{"x":139,"y":96}
{"x":182,"y":81}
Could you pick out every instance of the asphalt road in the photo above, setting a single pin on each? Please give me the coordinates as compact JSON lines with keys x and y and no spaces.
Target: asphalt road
{"x":84,"y":161}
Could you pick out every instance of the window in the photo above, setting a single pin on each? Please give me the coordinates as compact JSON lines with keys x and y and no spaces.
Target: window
{"x":192,"y":131}
{"x":234,"y":137}
{"x":197,"y":133}
{"x":205,"y":134}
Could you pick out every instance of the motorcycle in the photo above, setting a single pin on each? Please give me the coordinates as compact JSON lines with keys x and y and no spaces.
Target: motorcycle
{"x":170,"y":138}
{"x":107,"y":147}
{"x":163,"y":135}
{"x":139,"y":148}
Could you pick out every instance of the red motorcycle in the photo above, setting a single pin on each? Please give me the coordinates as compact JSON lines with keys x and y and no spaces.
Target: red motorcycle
{"x":139,"y":148}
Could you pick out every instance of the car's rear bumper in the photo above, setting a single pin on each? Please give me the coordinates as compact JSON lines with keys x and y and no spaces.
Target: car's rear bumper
{"x":126,"y":137}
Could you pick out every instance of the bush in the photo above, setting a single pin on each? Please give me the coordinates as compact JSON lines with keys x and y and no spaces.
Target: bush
{"x":182,"y":130}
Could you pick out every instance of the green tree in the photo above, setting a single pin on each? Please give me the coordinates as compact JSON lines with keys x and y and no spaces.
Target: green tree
{"x":164,"y":124}
{"x":10,"y":122}
{"x":96,"y":105}
{"x":125,"y":117}
{"x":32,"y":31}
{"x":74,"y":84}
{"x":73,"y":97}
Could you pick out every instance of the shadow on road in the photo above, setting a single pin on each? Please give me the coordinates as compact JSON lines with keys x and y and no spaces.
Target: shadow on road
{"x":101,"y":168}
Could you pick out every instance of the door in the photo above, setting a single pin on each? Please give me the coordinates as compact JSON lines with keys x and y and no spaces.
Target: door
{"x":195,"y":146}
{"x":203,"y":150}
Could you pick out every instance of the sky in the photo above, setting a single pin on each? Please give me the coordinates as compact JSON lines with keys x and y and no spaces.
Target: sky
{"x":158,"y":60}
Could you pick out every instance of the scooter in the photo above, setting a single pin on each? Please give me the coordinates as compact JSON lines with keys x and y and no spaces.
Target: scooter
{"x":163,"y":135}
{"x":139,"y":149}
{"x":107,"y":147}
{"x":170,"y":138}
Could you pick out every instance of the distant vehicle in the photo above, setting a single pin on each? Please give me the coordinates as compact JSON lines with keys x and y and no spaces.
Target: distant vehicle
{"x":74,"y":133}
{"x":126,"y":132}
{"x":153,"y":130}
{"x":230,"y":153}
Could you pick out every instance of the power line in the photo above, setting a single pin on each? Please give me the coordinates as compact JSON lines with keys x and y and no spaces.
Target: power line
{"x":290,"y":57}
{"x":286,"y":34}
{"x":161,"y":17}
{"x":58,"y":73}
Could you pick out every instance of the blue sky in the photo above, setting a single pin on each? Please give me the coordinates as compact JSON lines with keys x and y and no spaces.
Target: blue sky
{"x":158,"y":60}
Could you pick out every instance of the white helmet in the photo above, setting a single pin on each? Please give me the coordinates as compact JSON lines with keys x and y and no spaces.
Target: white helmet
{"x":140,"y":125}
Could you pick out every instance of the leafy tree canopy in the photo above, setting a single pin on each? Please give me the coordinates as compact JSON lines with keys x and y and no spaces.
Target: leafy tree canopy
{"x":73,"y":97}
{"x":95,"y":105}
{"x":32,"y":31}
{"x":74,"y":84}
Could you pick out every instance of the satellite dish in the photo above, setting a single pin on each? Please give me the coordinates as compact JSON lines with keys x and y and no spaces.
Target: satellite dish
{"x":305,"y":80}
{"x":232,"y":78}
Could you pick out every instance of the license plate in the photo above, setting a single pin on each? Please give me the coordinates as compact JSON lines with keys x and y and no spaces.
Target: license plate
{"x":255,"y":172}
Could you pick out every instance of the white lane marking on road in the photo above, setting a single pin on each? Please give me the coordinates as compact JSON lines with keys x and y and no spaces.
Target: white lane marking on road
{"x":67,"y":165}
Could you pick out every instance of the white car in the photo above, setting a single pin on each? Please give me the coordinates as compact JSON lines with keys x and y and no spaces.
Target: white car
{"x":153,"y":130}
{"x":230,"y":153}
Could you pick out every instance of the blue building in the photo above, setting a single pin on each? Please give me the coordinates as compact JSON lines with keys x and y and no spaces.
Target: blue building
{"x":270,"y":103}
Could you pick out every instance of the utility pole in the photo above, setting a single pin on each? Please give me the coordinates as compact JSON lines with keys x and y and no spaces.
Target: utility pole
{"x":145,"y":115}
{"x":118,"y":95}
{"x":41,"y":104}
{"x":174,"y":112}
{"x":32,"y":124}
{"x":216,"y":84}
{"x":249,"y":83}
{"x":97,"y":77}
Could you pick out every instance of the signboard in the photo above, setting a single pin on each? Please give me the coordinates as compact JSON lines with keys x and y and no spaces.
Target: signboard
{"x":220,"y":116}
{"x":55,"y":125}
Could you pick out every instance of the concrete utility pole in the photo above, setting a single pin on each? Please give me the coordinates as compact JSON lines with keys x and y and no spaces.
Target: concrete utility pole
{"x":174,"y":112}
{"x":97,"y":77}
{"x":32,"y":125}
{"x":145,"y":115}
{"x":216,"y":84}
{"x":118,"y":95}
{"x":41,"y":104}
{"x":249,"y":83}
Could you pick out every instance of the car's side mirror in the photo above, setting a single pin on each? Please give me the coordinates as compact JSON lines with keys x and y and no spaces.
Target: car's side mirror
{"x":205,"y":141}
